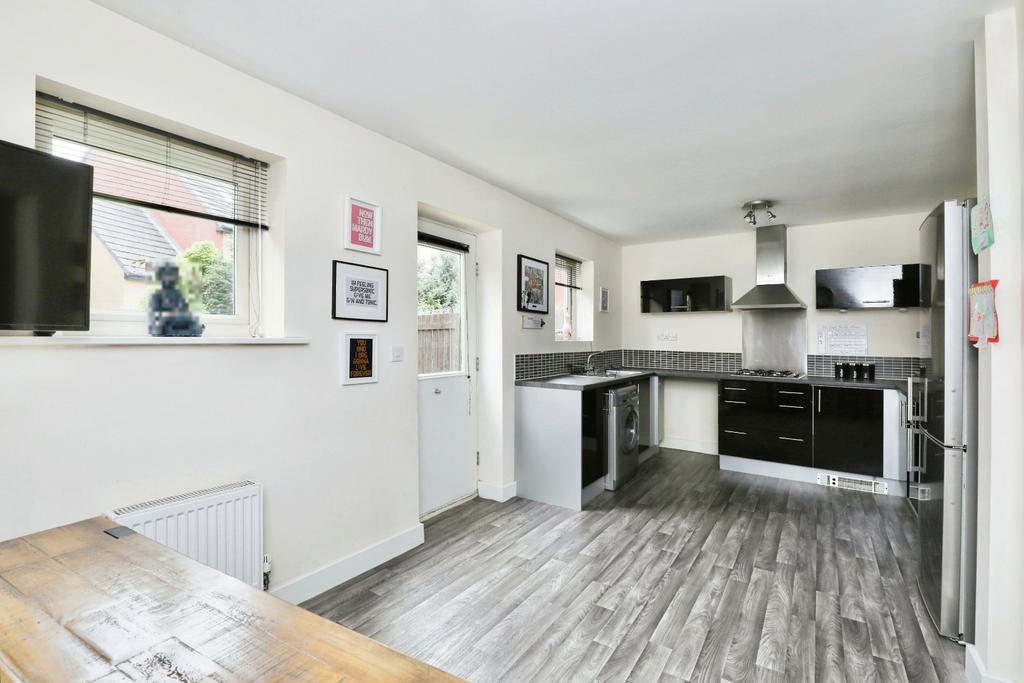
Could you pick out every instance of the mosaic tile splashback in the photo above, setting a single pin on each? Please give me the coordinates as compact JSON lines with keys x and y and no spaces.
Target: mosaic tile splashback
{"x":682,"y":360}
{"x":533,"y":365}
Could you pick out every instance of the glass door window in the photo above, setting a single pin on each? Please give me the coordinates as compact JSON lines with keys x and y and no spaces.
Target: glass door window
{"x":441,"y":311}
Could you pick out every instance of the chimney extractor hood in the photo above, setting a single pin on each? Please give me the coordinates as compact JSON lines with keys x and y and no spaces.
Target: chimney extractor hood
{"x":771,"y":290}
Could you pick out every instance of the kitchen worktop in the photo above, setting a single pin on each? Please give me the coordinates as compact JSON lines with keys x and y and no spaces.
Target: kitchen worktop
{"x":581,"y":383}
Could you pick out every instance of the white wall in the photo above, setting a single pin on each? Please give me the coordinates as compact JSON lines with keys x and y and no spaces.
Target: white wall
{"x":998,"y":653}
{"x":874,"y":241}
{"x":85,"y":430}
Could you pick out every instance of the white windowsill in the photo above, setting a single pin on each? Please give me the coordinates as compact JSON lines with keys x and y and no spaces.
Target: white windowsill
{"x":85,"y":340}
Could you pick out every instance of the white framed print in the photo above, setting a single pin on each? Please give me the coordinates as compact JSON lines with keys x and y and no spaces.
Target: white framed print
{"x":359,"y":359}
{"x":362,"y":225}
{"x":359,"y":292}
{"x":603,"y":304}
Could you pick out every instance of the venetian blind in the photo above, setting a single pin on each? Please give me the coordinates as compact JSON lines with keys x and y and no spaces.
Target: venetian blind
{"x":143,"y":166}
{"x":570,"y":268}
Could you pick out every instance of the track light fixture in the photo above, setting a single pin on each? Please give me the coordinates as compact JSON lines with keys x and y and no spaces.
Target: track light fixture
{"x":752,"y":207}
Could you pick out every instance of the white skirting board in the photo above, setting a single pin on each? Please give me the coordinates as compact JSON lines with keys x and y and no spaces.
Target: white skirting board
{"x":497,"y":492}
{"x":976,"y":672}
{"x":320,"y":580}
{"x":681,"y":444}
{"x":794,"y":472}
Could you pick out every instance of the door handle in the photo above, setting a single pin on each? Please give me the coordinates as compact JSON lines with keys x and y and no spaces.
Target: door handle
{"x":733,"y":431}
{"x":741,"y":403}
{"x":783,"y":405}
{"x":733,"y":388}
{"x":789,"y":438}
{"x":819,"y":401}
{"x":437,"y":391}
{"x":791,"y":393}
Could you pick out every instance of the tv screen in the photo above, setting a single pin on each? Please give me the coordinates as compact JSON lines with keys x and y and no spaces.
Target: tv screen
{"x":45,"y":240}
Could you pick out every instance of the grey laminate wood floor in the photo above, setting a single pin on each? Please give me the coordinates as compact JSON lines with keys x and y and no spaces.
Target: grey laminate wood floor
{"x":685,"y":574}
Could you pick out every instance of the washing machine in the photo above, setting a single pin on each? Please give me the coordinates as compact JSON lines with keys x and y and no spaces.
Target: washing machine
{"x":622,"y":407}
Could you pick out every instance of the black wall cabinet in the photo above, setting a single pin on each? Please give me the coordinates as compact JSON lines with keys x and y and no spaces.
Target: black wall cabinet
{"x":899,"y":286}
{"x":686,"y":295}
{"x":848,"y":430}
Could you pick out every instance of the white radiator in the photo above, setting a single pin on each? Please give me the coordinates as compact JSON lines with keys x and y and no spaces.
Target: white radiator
{"x":222,"y":527}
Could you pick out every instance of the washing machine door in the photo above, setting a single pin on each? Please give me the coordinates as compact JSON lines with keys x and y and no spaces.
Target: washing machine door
{"x":629,"y":430}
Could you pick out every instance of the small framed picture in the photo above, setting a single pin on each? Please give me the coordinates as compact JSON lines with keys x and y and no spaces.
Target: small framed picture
{"x":359,"y":359}
{"x":533,"y":285}
{"x":362,"y":225}
{"x":603,"y":303}
{"x":359,"y":292}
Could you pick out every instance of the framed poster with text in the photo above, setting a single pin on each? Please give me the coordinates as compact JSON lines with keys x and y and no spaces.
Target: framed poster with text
{"x":362,"y":225}
{"x":359,"y":359}
{"x":359,"y":292}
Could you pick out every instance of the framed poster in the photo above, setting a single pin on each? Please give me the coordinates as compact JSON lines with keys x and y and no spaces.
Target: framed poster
{"x":359,"y":359}
{"x":359,"y":292}
{"x":604,"y":300}
{"x":362,"y":225}
{"x":533,"y":285}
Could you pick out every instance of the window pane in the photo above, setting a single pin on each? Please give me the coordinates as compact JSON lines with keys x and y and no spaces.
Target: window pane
{"x":440,"y":319}
{"x":129,"y":241}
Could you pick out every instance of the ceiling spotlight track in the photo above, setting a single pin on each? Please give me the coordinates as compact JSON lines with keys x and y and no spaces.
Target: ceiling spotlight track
{"x":752,"y":207}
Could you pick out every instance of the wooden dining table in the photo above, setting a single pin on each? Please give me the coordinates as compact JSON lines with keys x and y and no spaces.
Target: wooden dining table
{"x":77,"y":604}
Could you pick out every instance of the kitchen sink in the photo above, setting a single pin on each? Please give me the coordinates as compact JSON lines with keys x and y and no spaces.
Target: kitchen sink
{"x":609,"y":373}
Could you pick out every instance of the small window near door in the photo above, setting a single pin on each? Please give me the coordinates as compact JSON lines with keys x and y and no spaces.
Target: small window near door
{"x":567,"y":297}
{"x":441,"y":324}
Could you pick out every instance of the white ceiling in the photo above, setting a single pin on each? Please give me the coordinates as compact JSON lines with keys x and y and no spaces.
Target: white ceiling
{"x":642,"y":120}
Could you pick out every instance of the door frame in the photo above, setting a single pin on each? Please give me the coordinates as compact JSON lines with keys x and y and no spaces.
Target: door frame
{"x":470,"y":285}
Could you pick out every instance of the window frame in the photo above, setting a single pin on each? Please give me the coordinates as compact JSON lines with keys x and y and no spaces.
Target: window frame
{"x":574,"y":292}
{"x":247,"y":240}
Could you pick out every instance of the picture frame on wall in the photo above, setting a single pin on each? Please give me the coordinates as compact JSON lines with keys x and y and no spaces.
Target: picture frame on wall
{"x":359,"y":292}
{"x":603,"y":301}
{"x":533,"y":290}
{"x":362,"y":226}
{"x":359,"y":356}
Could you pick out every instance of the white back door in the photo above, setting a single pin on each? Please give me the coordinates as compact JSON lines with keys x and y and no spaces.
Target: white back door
{"x":446,"y":357}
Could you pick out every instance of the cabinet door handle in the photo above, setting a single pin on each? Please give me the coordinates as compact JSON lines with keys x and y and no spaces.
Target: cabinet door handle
{"x":733,"y":388}
{"x":783,"y":405}
{"x":741,"y":403}
{"x":819,"y":401}
{"x":789,"y":438}
{"x":732,"y":431}
{"x":791,"y":393}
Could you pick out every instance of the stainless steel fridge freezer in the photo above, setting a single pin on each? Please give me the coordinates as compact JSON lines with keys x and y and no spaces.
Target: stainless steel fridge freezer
{"x":942,"y":427}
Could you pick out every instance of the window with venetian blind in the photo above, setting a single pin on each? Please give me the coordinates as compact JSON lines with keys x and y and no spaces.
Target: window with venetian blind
{"x":568,"y":279}
{"x":161,"y":197}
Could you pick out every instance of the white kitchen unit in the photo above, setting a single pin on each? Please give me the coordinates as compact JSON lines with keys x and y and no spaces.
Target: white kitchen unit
{"x":549,"y":443}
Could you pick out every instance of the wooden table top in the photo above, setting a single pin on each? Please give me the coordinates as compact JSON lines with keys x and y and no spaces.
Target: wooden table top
{"x":79,"y":605}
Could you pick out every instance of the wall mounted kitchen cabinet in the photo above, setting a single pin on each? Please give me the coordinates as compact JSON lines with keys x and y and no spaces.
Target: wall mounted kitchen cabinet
{"x":686,"y":295}
{"x":898,"y":286}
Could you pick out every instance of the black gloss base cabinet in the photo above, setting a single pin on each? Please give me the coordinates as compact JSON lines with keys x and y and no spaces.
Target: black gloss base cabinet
{"x":834,"y":428}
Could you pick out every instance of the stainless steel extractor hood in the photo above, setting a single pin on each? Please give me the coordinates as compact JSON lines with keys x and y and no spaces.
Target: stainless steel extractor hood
{"x":771,"y":290}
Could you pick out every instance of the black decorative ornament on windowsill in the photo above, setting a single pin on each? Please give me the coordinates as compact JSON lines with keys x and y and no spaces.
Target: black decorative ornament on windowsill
{"x":169,"y":315}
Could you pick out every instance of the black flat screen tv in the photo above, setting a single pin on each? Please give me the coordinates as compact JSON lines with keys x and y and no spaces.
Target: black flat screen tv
{"x":45,"y":241}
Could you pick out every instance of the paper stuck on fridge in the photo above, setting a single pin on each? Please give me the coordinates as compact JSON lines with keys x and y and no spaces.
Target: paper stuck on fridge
{"x":984,"y":324}
{"x":982,"y":234}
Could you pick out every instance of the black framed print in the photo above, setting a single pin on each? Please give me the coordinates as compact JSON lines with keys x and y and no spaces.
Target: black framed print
{"x":532,"y":288}
{"x":359,"y":292}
